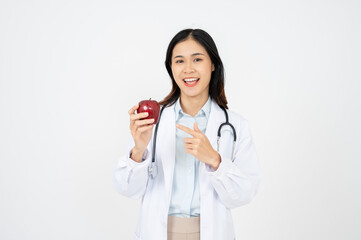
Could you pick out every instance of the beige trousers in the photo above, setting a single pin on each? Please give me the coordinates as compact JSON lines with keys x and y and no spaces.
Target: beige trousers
{"x":183,"y":228}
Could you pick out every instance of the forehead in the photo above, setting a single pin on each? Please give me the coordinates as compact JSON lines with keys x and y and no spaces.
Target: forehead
{"x":188,"y":47}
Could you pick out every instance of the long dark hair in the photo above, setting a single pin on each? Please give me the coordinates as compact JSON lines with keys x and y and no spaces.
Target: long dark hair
{"x":216,"y":84}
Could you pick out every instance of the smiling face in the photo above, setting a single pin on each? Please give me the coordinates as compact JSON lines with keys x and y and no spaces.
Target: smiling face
{"x":192,"y":69}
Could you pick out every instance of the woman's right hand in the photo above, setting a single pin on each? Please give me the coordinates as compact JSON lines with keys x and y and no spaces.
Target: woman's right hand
{"x":140,"y":129}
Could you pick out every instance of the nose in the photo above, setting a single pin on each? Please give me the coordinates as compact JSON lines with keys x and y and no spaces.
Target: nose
{"x":188,"y":68}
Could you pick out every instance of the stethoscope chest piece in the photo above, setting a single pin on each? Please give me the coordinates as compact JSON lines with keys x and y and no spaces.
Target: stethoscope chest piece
{"x":153,"y":170}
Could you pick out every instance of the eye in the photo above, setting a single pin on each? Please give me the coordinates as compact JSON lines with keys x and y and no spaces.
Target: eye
{"x":179,"y":61}
{"x":198,"y":59}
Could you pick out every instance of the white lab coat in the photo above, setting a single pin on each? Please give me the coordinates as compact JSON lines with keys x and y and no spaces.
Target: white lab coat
{"x":232,"y":185}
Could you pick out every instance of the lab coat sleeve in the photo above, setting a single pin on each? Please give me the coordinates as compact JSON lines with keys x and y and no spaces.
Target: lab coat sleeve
{"x":237,"y":182}
{"x":130,"y":177}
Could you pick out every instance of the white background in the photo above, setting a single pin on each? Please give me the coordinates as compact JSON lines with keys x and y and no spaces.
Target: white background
{"x":70,"y":71}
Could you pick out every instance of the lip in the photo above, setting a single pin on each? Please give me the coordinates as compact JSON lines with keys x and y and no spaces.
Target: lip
{"x":193,"y":84}
{"x":190,"y":78}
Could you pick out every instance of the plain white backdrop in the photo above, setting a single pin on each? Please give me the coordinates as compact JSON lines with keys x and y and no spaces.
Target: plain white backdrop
{"x":70,"y":71}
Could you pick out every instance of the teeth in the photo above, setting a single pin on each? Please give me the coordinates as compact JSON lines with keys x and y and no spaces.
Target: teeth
{"x":190,"y":79}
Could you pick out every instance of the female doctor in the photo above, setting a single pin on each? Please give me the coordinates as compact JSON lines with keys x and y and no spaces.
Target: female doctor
{"x":197,"y":182}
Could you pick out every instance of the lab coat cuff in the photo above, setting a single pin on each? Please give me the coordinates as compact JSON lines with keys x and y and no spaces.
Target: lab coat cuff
{"x":225,"y":164}
{"x":144,"y":159}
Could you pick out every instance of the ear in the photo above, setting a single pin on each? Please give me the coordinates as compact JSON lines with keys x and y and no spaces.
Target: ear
{"x":213,"y":68}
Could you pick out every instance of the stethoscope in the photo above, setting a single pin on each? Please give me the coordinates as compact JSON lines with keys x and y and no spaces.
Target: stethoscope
{"x":153,"y":169}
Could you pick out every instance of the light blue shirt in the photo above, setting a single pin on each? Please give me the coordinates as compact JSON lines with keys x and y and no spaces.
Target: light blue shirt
{"x":185,"y":200}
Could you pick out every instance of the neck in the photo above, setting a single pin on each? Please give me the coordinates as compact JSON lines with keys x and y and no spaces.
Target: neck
{"x":192,"y":105}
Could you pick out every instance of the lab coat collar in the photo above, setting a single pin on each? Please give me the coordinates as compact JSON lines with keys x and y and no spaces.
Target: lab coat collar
{"x":204,"y":110}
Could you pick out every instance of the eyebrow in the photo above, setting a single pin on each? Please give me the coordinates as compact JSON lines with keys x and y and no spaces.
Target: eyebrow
{"x":194,"y":54}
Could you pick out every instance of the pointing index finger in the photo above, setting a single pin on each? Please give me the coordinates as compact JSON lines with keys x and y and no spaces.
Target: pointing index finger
{"x":187,"y":130}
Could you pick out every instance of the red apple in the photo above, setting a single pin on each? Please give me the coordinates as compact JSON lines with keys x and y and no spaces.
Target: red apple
{"x":150,"y":106}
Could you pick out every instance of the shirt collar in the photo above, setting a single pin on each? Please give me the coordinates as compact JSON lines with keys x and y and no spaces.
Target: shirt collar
{"x":206,"y":109}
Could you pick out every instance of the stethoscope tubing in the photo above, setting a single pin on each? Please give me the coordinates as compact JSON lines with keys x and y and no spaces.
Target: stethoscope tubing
{"x":153,"y":169}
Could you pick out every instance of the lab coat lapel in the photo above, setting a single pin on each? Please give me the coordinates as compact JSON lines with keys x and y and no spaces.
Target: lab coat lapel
{"x":167,"y":146}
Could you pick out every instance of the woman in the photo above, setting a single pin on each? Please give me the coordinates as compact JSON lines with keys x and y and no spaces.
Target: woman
{"x":195,"y":186}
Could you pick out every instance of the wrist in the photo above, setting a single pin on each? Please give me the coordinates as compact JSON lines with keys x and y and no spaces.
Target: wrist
{"x":136,"y":155}
{"x":217,"y":161}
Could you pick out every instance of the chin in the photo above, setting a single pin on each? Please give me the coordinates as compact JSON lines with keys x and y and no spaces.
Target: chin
{"x":191,"y":94}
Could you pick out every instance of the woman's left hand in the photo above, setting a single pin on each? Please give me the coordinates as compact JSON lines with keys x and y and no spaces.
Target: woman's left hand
{"x":200,"y":147}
